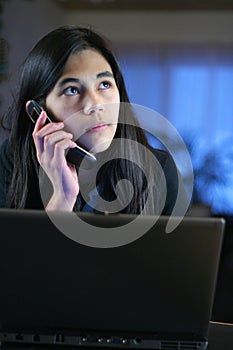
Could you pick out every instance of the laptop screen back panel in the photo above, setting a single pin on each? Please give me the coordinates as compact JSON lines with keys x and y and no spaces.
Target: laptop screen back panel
{"x":159,"y":284}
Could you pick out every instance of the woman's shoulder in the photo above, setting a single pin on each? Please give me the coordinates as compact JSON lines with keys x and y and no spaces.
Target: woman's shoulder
{"x":164,"y":157}
{"x":175,"y":185}
{"x":6,"y":166}
{"x":170,"y":171}
{"x":159,"y":152}
{"x":6,"y":154}
{"x":4,"y":144}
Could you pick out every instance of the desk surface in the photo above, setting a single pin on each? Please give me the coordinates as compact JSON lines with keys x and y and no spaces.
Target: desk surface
{"x":220,"y":336}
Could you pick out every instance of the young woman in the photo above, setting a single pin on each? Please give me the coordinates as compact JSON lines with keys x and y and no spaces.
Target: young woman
{"x":73,"y":74}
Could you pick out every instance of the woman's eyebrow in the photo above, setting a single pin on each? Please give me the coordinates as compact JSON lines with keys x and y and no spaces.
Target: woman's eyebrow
{"x":104,"y":74}
{"x":67,"y":81}
{"x":77,"y":81}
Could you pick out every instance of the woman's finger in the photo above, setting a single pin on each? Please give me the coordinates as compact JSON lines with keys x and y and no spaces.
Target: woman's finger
{"x":51,"y":140}
{"x":61,"y":147}
{"x":38,"y":140}
{"x":41,"y":130}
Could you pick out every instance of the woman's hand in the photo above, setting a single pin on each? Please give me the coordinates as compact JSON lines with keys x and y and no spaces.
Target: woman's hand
{"x":51,"y":142}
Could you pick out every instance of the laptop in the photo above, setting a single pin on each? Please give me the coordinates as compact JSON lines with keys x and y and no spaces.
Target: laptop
{"x":155,"y":292}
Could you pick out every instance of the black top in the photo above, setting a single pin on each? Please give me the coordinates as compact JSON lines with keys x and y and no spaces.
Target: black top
{"x":34,"y":198}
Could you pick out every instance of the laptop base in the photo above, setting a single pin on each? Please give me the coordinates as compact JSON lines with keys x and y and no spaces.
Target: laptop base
{"x":69,"y":342}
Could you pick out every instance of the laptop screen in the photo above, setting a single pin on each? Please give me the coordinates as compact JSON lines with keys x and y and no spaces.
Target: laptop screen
{"x":159,"y":287}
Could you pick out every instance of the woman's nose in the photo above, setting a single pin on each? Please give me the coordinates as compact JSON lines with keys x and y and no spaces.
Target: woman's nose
{"x":92,"y":103}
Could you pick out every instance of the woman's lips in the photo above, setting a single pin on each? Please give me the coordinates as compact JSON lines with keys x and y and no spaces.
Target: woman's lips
{"x":98,"y":127}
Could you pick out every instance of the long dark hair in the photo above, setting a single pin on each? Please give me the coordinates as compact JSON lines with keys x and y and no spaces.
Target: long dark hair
{"x":41,"y":70}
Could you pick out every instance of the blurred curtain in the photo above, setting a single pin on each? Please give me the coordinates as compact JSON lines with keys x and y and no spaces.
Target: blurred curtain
{"x":193,"y":88}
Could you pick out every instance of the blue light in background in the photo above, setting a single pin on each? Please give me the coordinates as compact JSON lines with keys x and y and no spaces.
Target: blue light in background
{"x":197,"y":98}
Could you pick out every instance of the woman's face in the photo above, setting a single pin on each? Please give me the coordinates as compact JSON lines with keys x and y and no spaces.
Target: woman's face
{"x":86,"y":99}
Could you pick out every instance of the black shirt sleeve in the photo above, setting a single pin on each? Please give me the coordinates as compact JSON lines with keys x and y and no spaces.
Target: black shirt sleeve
{"x":33,"y":200}
{"x":174,"y":184}
{"x":6,"y":167}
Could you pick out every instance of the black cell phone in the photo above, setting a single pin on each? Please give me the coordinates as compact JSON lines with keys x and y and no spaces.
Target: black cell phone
{"x":75,"y":155}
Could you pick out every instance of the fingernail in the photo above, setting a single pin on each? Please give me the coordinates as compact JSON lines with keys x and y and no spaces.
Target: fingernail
{"x":42,"y":114}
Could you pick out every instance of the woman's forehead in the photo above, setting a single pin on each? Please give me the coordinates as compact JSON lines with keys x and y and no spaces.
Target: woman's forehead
{"x":86,"y":60}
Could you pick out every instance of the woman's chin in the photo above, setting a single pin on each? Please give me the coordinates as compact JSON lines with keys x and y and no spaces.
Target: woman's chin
{"x":100,"y":147}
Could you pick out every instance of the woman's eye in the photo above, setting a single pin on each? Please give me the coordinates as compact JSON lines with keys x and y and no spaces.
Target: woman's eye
{"x":70,"y":91}
{"x":105,"y":85}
